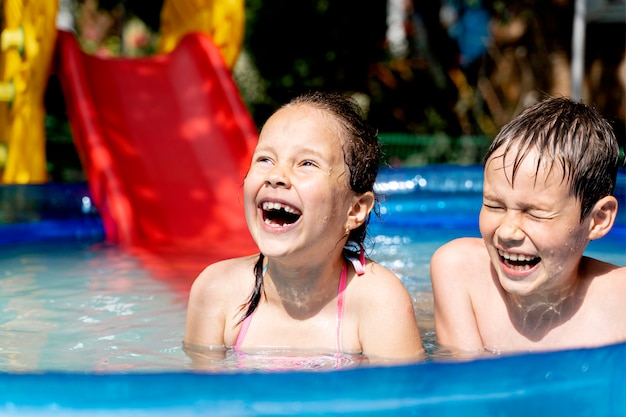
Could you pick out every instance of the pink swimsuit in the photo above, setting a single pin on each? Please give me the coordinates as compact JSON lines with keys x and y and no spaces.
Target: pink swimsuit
{"x":359,"y":267}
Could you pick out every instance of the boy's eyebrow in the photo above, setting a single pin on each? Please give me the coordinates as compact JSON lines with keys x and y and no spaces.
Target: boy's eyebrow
{"x":523,"y":206}
{"x":491,"y":198}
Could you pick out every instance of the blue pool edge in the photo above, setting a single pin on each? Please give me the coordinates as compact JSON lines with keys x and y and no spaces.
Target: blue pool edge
{"x":588,"y":381}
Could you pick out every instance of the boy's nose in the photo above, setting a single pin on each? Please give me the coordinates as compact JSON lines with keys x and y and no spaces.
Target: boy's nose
{"x":510,"y":230}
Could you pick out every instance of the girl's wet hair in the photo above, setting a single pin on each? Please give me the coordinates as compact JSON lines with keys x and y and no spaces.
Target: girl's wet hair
{"x":361,"y":150}
{"x":570,"y":134}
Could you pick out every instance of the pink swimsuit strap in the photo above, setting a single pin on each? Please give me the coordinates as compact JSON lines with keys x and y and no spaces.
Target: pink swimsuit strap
{"x":242,"y":332}
{"x":359,"y":267}
{"x":341,"y":296}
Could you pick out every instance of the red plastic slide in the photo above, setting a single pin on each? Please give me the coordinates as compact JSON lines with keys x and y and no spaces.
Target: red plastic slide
{"x":165,"y":142}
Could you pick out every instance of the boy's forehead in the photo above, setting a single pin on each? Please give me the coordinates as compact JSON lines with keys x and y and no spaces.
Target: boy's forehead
{"x":529,"y":162}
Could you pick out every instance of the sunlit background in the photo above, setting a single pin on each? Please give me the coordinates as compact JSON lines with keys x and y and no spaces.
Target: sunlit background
{"x":437,"y":78}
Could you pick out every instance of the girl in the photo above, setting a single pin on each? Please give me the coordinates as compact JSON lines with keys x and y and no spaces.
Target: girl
{"x":308,"y":196}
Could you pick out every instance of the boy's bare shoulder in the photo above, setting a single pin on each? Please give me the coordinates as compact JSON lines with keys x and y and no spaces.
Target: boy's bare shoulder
{"x":605,"y":274}
{"x":615,"y":279}
{"x":463,"y":261}
{"x":620,"y":273}
{"x":460,"y":251}
{"x":604,"y":297}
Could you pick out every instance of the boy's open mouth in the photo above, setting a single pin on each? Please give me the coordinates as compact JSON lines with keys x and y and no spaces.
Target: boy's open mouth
{"x":279,"y":214}
{"x":518,"y":261}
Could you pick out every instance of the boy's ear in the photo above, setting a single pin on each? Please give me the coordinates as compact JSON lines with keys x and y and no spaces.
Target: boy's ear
{"x":603,"y":216}
{"x":360,"y":208}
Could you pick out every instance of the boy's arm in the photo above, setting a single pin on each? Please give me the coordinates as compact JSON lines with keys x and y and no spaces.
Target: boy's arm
{"x":388,"y":330}
{"x":450,"y":272}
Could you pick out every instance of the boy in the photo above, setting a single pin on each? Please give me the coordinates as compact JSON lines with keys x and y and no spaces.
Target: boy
{"x":548,"y":181}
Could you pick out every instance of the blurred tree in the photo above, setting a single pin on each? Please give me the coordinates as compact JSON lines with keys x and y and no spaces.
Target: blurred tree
{"x":468,"y":66}
{"x":531,"y":53}
{"x":465,"y":68}
{"x":414,"y":93}
{"x":313,"y":44}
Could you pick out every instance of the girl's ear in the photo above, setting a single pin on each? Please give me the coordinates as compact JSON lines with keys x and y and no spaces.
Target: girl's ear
{"x":361,"y":206}
{"x":603,"y":216}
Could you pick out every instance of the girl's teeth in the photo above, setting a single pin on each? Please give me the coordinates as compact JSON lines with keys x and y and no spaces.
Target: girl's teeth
{"x":268,"y":205}
{"x":270,"y":223}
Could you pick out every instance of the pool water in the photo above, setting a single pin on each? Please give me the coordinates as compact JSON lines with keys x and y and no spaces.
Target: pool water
{"x":76,"y":304}
{"x":74,"y":307}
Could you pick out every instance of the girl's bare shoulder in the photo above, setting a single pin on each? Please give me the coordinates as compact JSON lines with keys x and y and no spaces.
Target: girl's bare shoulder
{"x":226,"y":277}
{"x":378,"y":281}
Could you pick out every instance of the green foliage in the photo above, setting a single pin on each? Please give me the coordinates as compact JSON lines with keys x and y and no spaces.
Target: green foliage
{"x":312,"y":44}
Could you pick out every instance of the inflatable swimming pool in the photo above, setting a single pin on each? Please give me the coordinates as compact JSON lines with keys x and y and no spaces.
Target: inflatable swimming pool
{"x":570,"y":383}
{"x":433,"y":200}
{"x":108,"y":102}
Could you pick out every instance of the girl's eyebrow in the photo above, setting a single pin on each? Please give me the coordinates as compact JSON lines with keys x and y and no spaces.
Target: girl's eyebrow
{"x":312,"y":151}
{"x":263,"y":148}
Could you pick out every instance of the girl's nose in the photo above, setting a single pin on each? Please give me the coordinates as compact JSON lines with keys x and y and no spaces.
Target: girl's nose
{"x":277,"y":177}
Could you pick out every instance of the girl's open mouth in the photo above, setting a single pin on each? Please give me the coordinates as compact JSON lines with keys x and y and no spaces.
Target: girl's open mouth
{"x":279,"y":214}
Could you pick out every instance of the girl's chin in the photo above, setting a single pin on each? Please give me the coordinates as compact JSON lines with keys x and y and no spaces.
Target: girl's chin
{"x":274,"y":249}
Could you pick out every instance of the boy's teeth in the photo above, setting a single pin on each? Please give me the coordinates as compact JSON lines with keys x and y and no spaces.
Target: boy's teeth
{"x":515,"y":256}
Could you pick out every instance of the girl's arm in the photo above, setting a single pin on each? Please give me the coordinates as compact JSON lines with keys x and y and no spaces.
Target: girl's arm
{"x":205,"y":311}
{"x":388,"y":330}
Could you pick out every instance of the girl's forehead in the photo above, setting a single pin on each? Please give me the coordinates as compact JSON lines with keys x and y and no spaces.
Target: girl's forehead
{"x":303,"y":122}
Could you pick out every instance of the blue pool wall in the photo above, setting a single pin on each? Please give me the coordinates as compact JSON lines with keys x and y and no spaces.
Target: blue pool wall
{"x":584,"y":382}
{"x":435,"y":196}
{"x":589,"y":382}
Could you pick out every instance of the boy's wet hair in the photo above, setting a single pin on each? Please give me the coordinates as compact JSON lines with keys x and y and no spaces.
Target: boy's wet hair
{"x":361,"y":150}
{"x":570,"y":134}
